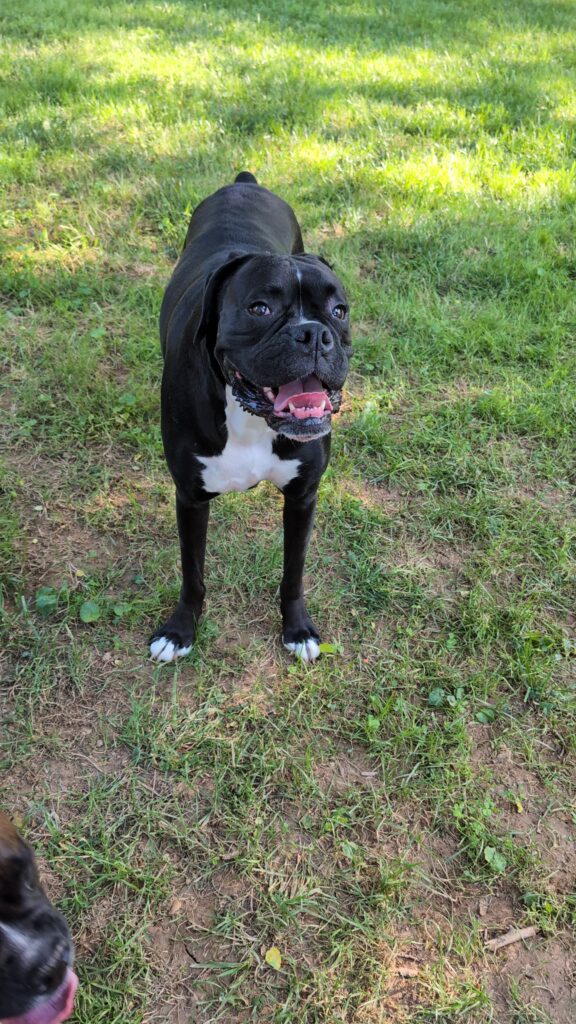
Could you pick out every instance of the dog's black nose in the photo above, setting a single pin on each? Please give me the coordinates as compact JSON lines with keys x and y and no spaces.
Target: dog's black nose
{"x":44,"y":949}
{"x":49,"y":965}
{"x":314,"y":334}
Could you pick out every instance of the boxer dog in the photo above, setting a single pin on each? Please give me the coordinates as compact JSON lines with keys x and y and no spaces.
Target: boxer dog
{"x":256,"y":341}
{"x":37,"y":985}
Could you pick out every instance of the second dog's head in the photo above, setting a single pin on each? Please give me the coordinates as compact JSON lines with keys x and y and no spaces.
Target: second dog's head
{"x":280,"y":330}
{"x":37,"y":985}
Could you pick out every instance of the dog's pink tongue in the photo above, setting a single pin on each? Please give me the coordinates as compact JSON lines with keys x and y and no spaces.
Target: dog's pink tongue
{"x":54,"y":1009}
{"x":303,"y":393}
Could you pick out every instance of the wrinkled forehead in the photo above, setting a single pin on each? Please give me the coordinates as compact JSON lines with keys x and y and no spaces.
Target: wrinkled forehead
{"x":285,"y":276}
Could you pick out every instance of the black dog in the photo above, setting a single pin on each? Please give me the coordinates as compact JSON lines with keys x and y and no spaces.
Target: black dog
{"x":256,"y":341}
{"x":37,"y":985}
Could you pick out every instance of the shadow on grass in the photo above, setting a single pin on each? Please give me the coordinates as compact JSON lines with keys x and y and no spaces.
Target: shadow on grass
{"x":288,"y":88}
{"x":367,"y":25}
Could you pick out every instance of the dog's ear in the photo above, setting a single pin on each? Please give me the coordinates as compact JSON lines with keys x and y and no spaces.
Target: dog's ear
{"x":312,"y":258}
{"x":325,"y":262}
{"x":18,"y":875}
{"x":208,"y":323}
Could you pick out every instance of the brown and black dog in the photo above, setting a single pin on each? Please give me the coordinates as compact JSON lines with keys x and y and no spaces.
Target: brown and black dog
{"x":37,"y":984}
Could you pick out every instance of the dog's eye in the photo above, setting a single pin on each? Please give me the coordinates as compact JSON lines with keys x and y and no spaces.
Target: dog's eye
{"x":339,"y":312}
{"x":259,"y":309}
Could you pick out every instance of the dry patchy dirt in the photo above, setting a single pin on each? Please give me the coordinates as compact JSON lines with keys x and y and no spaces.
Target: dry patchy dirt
{"x":78,"y":740}
{"x":414,"y":960}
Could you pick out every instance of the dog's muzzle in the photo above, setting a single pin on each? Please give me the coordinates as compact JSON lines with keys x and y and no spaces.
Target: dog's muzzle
{"x":300,"y":409}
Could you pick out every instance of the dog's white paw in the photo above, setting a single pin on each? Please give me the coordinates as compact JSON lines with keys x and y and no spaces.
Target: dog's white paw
{"x":163,"y":649}
{"x":304,"y":650}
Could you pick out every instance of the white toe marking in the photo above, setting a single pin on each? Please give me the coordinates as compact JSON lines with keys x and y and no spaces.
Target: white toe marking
{"x":163,"y":649}
{"x":305,"y":650}
{"x":157,"y":645}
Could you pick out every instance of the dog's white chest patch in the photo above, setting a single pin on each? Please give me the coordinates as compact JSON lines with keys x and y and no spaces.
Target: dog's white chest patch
{"x":247,"y":457}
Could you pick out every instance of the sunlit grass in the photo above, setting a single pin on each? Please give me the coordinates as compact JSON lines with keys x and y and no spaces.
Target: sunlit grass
{"x":238,"y":801}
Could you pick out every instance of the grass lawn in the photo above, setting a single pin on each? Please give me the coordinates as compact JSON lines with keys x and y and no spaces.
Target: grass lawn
{"x":379,"y":816}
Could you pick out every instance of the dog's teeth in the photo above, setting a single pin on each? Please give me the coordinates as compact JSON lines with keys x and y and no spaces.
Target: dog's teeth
{"x":269,"y":394}
{"x":292,"y":407}
{"x":322,"y":405}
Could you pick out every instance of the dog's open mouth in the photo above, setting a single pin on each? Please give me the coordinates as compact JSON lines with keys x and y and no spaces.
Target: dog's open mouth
{"x":301,"y":408}
{"x":54,"y":1008}
{"x":304,"y":398}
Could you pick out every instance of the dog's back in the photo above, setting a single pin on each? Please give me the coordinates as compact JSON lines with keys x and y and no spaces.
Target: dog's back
{"x":245,"y":216}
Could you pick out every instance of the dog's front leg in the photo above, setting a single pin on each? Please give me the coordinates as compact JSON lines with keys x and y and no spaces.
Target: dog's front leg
{"x":298,"y":631}
{"x":175,"y":638}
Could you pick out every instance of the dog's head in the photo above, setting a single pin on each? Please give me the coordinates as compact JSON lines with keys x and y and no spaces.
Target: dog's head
{"x":280,"y":331}
{"x":37,"y":985}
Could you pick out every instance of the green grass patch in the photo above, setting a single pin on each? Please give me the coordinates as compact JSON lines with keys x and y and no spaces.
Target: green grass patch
{"x":375,"y":816}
